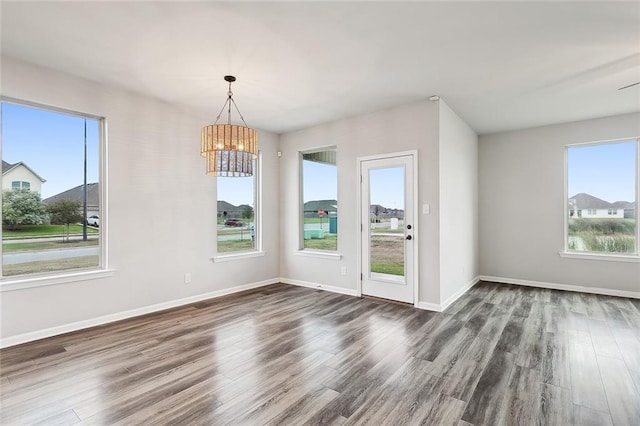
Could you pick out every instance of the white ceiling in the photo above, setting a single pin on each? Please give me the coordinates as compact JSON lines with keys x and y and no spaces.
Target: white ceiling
{"x":499,"y":65}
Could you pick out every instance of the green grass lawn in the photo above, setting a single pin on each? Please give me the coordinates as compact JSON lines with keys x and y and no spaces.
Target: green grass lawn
{"x":234,"y":245}
{"x":388,"y":268}
{"x":50,"y":265}
{"x":329,"y":242}
{"x":31,"y":231}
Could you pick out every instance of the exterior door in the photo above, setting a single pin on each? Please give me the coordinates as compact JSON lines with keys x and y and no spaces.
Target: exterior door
{"x":388,"y":228}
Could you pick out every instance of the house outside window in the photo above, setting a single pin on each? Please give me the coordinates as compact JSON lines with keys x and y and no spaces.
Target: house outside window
{"x":319,"y":194}
{"x":602,"y":181}
{"x":20,"y":185}
{"x":44,"y":229}
{"x":238,"y":212}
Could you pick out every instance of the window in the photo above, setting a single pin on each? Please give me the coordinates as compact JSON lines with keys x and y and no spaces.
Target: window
{"x":44,"y":203}
{"x":237,"y":227}
{"x":602,"y":179}
{"x":319,"y":200}
{"x":16,"y":184}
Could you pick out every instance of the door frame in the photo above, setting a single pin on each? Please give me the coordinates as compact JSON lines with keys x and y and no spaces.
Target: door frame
{"x":416,"y":226}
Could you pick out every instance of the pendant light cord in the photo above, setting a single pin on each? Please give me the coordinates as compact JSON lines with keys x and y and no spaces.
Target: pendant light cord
{"x":228,"y":102}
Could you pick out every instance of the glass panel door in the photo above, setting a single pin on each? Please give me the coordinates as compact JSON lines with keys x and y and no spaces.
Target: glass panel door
{"x":387,"y":227}
{"x":386,"y":224}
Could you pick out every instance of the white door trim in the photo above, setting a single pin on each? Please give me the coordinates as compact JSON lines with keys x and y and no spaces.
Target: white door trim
{"x":416,"y":225}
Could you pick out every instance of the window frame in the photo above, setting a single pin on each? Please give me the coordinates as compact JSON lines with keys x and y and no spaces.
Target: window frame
{"x":587,"y":255}
{"x":102,"y":270}
{"x":257,"y":220}
{"x":329,"y":254}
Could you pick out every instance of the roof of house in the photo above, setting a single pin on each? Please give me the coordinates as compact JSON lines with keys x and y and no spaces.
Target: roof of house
{"x":7,"y":167}
{"x":315,"y":205}
{"x":587,"y":201}
{"x":77,"y":193}
{"x":623,"y":205}
{"x":223,"y":206}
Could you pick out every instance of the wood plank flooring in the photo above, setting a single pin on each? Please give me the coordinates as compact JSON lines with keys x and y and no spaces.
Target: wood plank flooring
{"x":502,"y":354}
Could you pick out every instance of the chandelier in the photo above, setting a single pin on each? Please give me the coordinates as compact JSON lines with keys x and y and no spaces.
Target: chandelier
{"x":230,"y":149}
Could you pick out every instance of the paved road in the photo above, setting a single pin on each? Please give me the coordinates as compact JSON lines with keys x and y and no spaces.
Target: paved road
{"x":35,"y":256}
{"x":233,"y":237}
{"x":46,"y":239}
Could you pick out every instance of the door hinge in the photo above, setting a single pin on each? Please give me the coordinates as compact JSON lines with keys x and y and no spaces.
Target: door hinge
{"x":360,"y":276}
{"x":360,"y":178}
{"x":361,"y":228}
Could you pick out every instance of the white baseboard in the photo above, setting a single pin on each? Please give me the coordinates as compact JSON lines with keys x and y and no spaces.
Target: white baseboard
{"x":455,"y":296}
{"x":441,"y":307}
{"x":429,"y":306}
{"x":565,"y":287}
{"x":75,"y":326}
{"x":341,"y":290}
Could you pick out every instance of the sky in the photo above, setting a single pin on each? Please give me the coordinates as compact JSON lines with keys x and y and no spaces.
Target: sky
{"x":319,"y":181}
{"x":606,"y":171}
{"x":51,"y":144}
{"x":386,"y":187}
{"x":236,"y":190}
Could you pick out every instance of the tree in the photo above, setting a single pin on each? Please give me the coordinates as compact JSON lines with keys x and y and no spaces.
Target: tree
{"x":247,"y":212}
{"x":23,"y":207}
{"x":65,"y":212}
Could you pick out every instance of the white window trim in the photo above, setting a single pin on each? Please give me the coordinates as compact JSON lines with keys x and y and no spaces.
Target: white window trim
{"x":237,"y":256}
{"x":11,"y":283}
{"x":302,"y":251}
{"x":321,"y":254}
{"x":611,"y":257}
{"x":597,"y":256}
{"x":257,"y":218}
{"x":19,"y":282}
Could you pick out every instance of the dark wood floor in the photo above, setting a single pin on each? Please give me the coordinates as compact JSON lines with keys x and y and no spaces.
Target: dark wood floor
{"x":502,"y":354}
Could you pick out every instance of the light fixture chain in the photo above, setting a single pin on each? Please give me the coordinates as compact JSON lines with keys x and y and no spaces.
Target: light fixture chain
{"x":220,"y":114}
{"x":239,"y":113}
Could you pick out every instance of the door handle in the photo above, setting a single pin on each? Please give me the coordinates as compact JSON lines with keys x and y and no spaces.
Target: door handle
{"x":409,"y":237}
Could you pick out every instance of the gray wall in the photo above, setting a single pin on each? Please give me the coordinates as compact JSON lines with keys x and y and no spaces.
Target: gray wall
{"x":154,"y":165}
{"x":410,"y":127}
{"x":521,"y":207}
{"x":458,"y":204}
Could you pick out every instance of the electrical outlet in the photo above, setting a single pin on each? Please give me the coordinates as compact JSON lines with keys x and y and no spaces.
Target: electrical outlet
{"x":343,"y":270}
{"x":187,"y":278}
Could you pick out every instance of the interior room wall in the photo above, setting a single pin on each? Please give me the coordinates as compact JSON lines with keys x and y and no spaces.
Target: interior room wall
{"x":409,"y":127}
{"x":521,"y":206}
{"x":161,"y":207}
{"x":459,"y":263}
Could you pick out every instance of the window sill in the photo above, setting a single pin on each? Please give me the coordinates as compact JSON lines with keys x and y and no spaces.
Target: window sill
{"x":319,"y":254}
{"x":236,"y":256}
{"x":605,"y":257}
{"x":11,"y":284}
